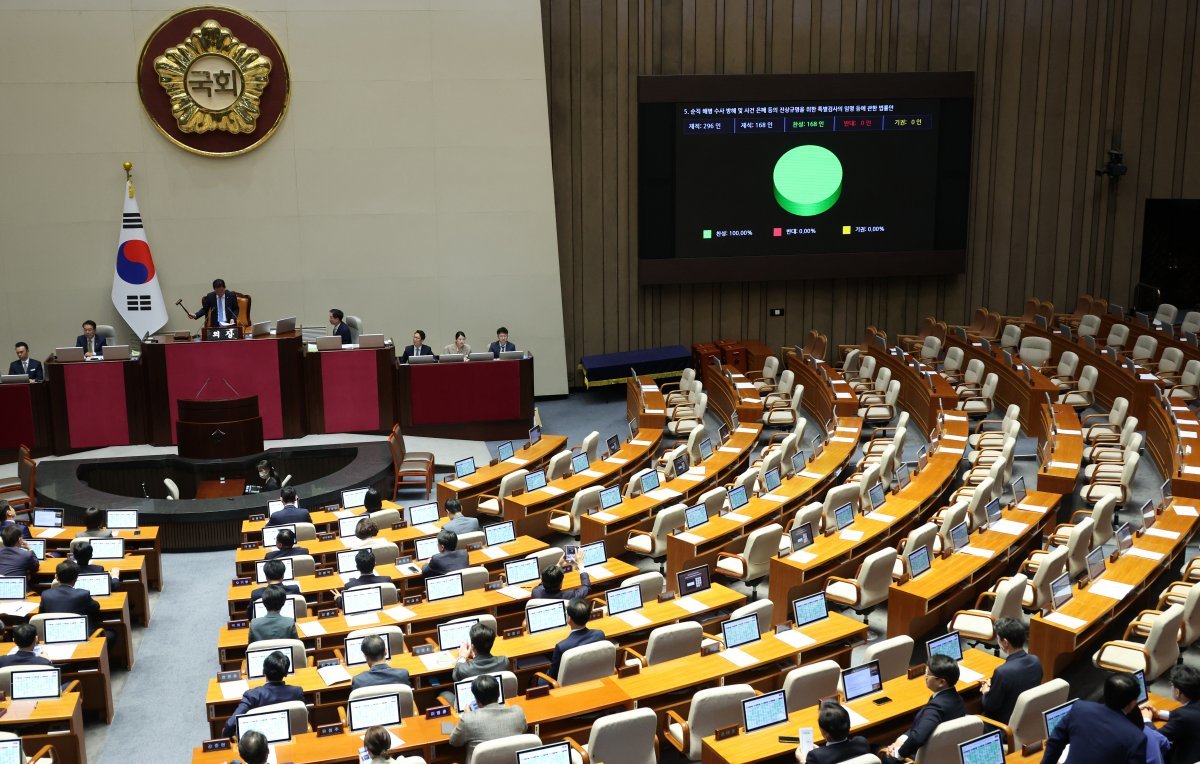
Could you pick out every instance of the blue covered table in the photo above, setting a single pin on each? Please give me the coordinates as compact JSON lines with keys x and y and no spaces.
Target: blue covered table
{"x":616,"y":368}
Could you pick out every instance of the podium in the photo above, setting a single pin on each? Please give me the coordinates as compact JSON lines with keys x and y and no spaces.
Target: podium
{"x":219,"y":429}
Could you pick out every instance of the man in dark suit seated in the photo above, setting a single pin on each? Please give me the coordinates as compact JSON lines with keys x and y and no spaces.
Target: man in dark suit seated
{"x":253,"y":748}
{"x":26,"y":365}
{"x":457,"y":521}
{"x":65,"y":598}
{"x":274,"y":691}
{"x":379,"y":672}
{"x":25,"y":635}
{"x":501,"y":345}
{"x":418,"y":347}
{"x":81,"y":552}
{"x":365,"y":562}
{"x":1102,"y":733}
{"x":273,"y":625}
{"x":285,"y":545}
{"x":91,"y":342}
{"x":289,"y":513}
{"x":551,"y":586}
{"x":219,"y":307}
{"x":448,"y":558}
{"x":274,"y":570}
{"x":1020,"y":671}
{"x":834,"y":722}
{"x":1183,"y":724}
{"x":9,"y":516}
{"x":941,"y":676}
{"x":339,"y":328}
{"x":15,"y":559}
{"x":578,"y":613}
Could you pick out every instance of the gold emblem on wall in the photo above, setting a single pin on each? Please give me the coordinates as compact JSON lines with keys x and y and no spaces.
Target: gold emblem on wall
{"x":214,"y":81}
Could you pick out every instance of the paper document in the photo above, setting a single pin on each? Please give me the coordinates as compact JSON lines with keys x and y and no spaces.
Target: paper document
{"x":1074,"y":624}
{"x":739,"y":657}
{"x":18,"y":608}
{"x":880,"y":517}
{"x":58,"y":652}
{"x":811,"y":475}
{"x":459,"y":484}
{"x":47,"y":533}
{"x":977,"y":552}
{"x":515,"y":592}
{"x":400,"y":613}
{"x":837,"y":439}
{"x":803,"y":556}
{"x":856,"y":719}
{"x":616,"y":460}
{"x":691,"y":605}
{"x":689,"y":538}
{"x":1145,"y":553}
{"x":590,"y":473}
{"x":438,"y":661}
{"x":516,"y":461}
{"x":335,"y":674}
{"x":634,"y":618}
{"x":1008,"y":527}
{"x":843,"y":395}
{"x":692,"y":477}
{"x":1111,"y":589}
{"x":1161,"y":533}
{"x":968,"y":675}
{"x":233,"y":690}
{"x":494,"y":552}
{"x":960,"y":438}
{"x":598,"y":572}
{"x":1033,"y":508}
{"x":347,"y":577}
{"x":663,"y":494}
{"x":1068,"y":432}
{"x":796,"y":638}
{"x":1184,"y":510}
{"x":735,"y":517}
{"x":604,"y":517}
{"x":639,"y":442}
{"x":747,"y":430}
{"x":729,"y":450}
{"x":774,"y":497}
{"x":849,"y":535}
{"x":311,"y":628}
{"x":362,"y":619}
{"x":744,"y":386}
{"x":428,"y":528}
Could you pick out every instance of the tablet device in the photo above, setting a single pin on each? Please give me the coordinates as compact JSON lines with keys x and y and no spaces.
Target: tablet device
{"x":949,"y":645}
{"x":499,"y":533}
{"x":765,"y":710}
{"x":521,"y":571}
{"x":623,"y":599}
{"x":443,"y":587}
{"x":861,"y":681}
{"x":650,"y":481}
{"x":274,"y":725}
{"x":740,"y":631}
{"x":454,"y":634}
{"x":504,"y":451}
{"x":918,"y":561}
{"x":692,"y":580}
{"x":535,"y":481}
{"x":71,"y":629}
{"x":99,"y":584}
{"x":844,"y":515}
{"x":464,"y":699}
{"x":771,"y":479}
{"x":121,"y":519}
{"x":362,"y":599}
{"x":985,"y":749}
{"x":256,"y":658}
{"x":552,"y":615}
{"x":810,"y":609}
{"x":354,"y":653}
{"x":555,"y":753}
{"x":464,"y":468}
{"x":422,"y":514}
{"x":261,"y":577}
{"x":379,"y":710}
{"x":694,"y":517}
{"x":610,"y":497}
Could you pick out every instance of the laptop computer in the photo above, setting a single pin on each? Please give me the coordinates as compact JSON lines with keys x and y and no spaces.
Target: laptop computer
{"x":452,"y":358}
{"x":68,"y":355}
{"x":285,"y":325}
{"x":115,"y":352}
{"x":370,"y":340}
{"x":36,"y":685}
{"x":485,"y":356}
{"x":417,"y":359}
{"x":512,"y":355}
{"x":332,"y":342}
{"x":810,"y":609}
{"x":47,"y":518}
{"x":260,"y":329}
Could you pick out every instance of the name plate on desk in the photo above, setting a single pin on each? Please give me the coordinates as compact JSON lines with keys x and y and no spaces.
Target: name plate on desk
{"x":437,"y":712}
{"x":412,"y":599}
{"x":242,"y":624}
{"x":537,"y":692}
{"x":723,"y":733}
{"x":241,"y":582}
{"x":220,"y":744}
{"x":327,"y":613}
{"x":422,"y":650}
{"x":221,"y":333}
{"x":323,"y":572}
{"x":229,"y":676}
{"x":251,"y":545}
{"x":326,"y":730}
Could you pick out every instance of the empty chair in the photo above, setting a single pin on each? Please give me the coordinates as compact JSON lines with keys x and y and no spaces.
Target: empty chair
{"x":1143,"y":350}
{"x":781,"y":391}
{"x":628,"y":737}
{"x":633,"y":487}
{"x":1117,"y":336}
{"x":942,"y":745}
{"x":952,"y":364}
{"x":382,"y":690}
{"x":1027,"y":725}
{"x":991,"y":433}
{"x":753,"y":563}
{"x":502,"y":750}
{"x":1187,"y":386}
{"x":650,"y":583}
{"x":1110,"y":435}
{"x":709,"y":709}
{"x":474,"y":578}
{"x":1010,"y":337}
{"x":305,"y":565}
{"x":894,"y":656}
{"x":978,"y":624}
{"x":1166,"y":314}
{"x":763,"y":610}
{"x":805,"y":686}
{"x":493,"y":504}
{"x":590,"y":446}
{"x":654,"y":543}
{"x":922,"y":536}
{"x":834,"y":498}
{"x":1184,"y":594}
{"x":1079,"y":540}
{"x":714,"y":500}
{"x":559,"y":465}
{"x":810,"y":514}
{"x":1035,"y":351}
{"x":785,"y":413}
{"x":688,"y":416}
{"x":547,"y":558}
{"x":869,"y":588}
{"x":1191,"y":322}
{"x":1081,"y":393}
{"x":1063,"y":374}
{"x":687,"y":395}
{"x":882,"y":411}
{"x":1101,"y":516}
{"x":971,"y":380}
{"x":1089,"y":325}
{"x":866,"y":375}
{"x":586,"y":500}
{"x":980,"y":404}
{"x":931,"y":348}
{"x":1105,"y":484}
{"x":1170,"y":363}
{"x":765,"y":377}
{"x":1037,"y":592}
{"x":1155,"y":656}
{"x":666,"y":643}
{"x":875,"y":392}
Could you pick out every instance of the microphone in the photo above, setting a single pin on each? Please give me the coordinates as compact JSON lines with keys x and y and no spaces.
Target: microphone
{"x":145,"y":494}
{"x":231,"y":387}
{"x":197,"y":395}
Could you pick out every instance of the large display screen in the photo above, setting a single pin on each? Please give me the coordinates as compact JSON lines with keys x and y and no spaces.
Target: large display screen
{"x":760,"y":177}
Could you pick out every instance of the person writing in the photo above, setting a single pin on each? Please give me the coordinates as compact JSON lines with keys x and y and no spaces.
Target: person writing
{"x":219,"y":307}
{"x":1182,"y":729}
{"x":91,"y":342}
{"x":31,"y":367}
{"x":501,"y":345}
{"x":339,"y":327}
{"x":459,"y":346}
{"x":418,"y":347}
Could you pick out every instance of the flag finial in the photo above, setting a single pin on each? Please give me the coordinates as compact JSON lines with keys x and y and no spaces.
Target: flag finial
{"x":128,"y":176}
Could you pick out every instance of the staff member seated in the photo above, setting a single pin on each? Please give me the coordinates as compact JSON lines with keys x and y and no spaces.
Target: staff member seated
{"x":1101,"y":732}
{"x":274,"y":691}
{"x":273,"y":625}
{"x":274,"y":570}
{"x":941,"y":675}
{"x":91,"y":342}
{"x":290,"y":513}
{"x":834,"y":722}
{"x":489,"y":720}
{"x":93,"y":524}
{"x":578,"y":614}
{"x":26,"y":365}
{"x":418,"y":347}
{"x":285,"y":545}
{"x":458,"y":522}
{"x":219,"y":307}
{"x":379,"y":672}
{"x":65,"y":598}
{"x":268,"y":479}
{"x":448,"y":558}
{"x":15,"y":559}
{"x":501,"y":345}
{"x":459,"y":346}
{"x":551,"y":586}
{"x":25,"y":635}
{"x":339,"y":328}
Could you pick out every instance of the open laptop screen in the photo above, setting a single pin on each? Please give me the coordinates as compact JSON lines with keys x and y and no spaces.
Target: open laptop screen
{"x":380,"y":710}
{"x":444,"y":587}
{"x":35,"y":685}
{"x":422,"y":514}
{"x":121,"y":519}
{"x":949,"y":645}
{"x":354,"y":497}
{"x":12,"y":587}
{"x":861,"y":681}
{"x":107,"y":549}
{"x":764,"y":711}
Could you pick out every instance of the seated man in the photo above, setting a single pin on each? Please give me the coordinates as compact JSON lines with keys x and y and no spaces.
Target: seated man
{"x":65,"y":598}
{"x":82,"y":554}
{"x":457,"y":521}
{"x":551,"y":586}
{"x":1101,"y":733}
{"x":418,"y":347}
{"x":274,"y":570}
{"x":365,"y":562}
{"x":578,"y":614}
{"x":273,"y":625}
{"x":275,"y":668}
{"x":1019,"y":672}
{"x":94,"y":524}
{"x":25,"y":635}
{"x":9,"y":516}
{"x":26,"y":365}
{"x":1182,"y":729}
{"x":15,"y":559}
{"x":448,"y":558}
{"x":941,"y":676}
{"x":501,"y":345}
{"x":289,"y":513}
{"x":489,"y":720}
{"x":834,"y":723}
{"x":253,"y":748}
{"x":219,"y":307}
{"x":285,"y":545}
{"x":91,"y":342}
{"x":339,"y":327}
{"x":475,"y":657}
{"x":378,"y":671}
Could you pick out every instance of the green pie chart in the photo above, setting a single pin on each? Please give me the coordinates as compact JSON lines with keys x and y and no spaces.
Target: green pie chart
{"x":807,"y":180}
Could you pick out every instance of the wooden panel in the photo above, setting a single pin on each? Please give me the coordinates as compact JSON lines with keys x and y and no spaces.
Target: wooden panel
{"x":1058,"y":84}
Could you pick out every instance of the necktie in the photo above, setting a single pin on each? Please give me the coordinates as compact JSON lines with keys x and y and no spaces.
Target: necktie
{"x":220,"y":309}
{"x":92,"y":346}
{"x":25,"y":366}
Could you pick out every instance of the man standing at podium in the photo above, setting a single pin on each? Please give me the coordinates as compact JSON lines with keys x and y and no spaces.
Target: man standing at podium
{"x":219,"y":307}
{"x":26,"y":365}
{"x":91,"y":342}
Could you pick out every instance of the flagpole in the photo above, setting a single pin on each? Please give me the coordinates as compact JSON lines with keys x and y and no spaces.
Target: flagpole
{"x":129,"y":176}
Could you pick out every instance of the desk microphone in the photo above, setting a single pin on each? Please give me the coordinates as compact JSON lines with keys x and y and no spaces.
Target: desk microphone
{"x":144,"y":493}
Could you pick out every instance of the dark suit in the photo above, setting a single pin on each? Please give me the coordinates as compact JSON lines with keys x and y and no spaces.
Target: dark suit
{"x":496,"y":348}
{"x":98,"y":343}
{"x":1019,"y":672}
{"x":35,"y":371}
{"x":24,"y":658}
{"x":944,"y":706}
{"x":411,"y":350}
{"x":1097,"y":735}
{"x":68,"y":599}
{"x":208,"y":308}
{"x":15,"y":561}
{"x":276,"y":553}
{"x":1183,"y":730}
{"x":290,"y":514}
{"x":446,"y":562}
{"x":266,"y":695}
{"x":576,"y":638}
{"x":834,"y":753}
{"x":540,"y":593}
{"x":343,"y":331}
{"x":273,"y":626}
{"x":25,"y":534}
{"x":90,"y":568}
{"x":380,"y":673}
{"x":257,"y":594}
{"x":271,"y":484}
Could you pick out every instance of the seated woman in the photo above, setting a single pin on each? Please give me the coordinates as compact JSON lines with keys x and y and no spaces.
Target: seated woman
{"x":459,"y":346}
{"x":267,"y":476}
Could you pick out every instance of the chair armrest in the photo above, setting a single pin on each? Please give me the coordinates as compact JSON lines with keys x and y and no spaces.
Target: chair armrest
{"x":988,"y":424}
{"x":545,"y":678}
{"x":850,"y":581}
{"x":640,"y":533}
{"x":45,"y":752}
{"x":583,"y":754}
{"x":1137,"y":628}
{"x":738,"y":557}
{"x":635,"y":654}
{"x":673,"y":716}
{"x":1176,"y":593}
{"x":1119,"y":646}
{"x":556,"y":512}
{"x":983,"y":597}
{"x":1193,"y":388}
{"x":1008,"y":733}
{"x":485,"y":496}
{"x":779,"y":403}
{"x":342,"y":714}
{"x":889,"y":432}
{"x":1090,"y":417}
{"x":1079,"y":513}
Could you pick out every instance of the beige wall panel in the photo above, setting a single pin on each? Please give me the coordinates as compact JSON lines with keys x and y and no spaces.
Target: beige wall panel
{"x":365,"y":115}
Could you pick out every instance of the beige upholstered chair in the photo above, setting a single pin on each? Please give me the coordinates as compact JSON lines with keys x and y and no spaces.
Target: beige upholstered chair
{"x":894,"y":656}
{"x":666,"y":643}
{"x":654,"y":543}
{"x":1035,"y":351}
{"x":381,"y":690}
{"x":804,"y":687}
{"x":650,"y":583}
{"x":982,"y":403}
{"x":1187,"y":595}
{"x":587,"y":662}
{"x":754,"y":562}
{"x":869,"y":588}
{"x":502,"y":750}
{"x":1089,"y":325}
{"x":1159,"y":652}
{"x":296,"y":710}
{"x":1118,"y":335}
{"x":1100,"y":428}
{"x":1166,"y":313}
{"x":709,"y":709}
{"x":1027,"y":724}
{"x":1081,"y":393}
{"x":762,"y":609}
{"x":979,"y":625}
{"x":493,"y":504}
{"x":586,"y":500}
{"x":942,"y":745}
{"x":628,"y":737}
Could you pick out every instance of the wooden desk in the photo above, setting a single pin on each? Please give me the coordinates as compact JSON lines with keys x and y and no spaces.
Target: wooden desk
{"x":1066,"y":461}
{"x":1058,"y":644}
{"x":114,"y":610}
{"x":96,"y":404}
{"x":487,"y":478}
{"x":1011,"y":386}
{"x":731,"y":392}
{"x":220,"y":489}
{"x":645,"y":402}
{"x":838,"y":399}
{"x":325,"y":552}
{"x":130,"y":570}
{"x":25,"y":411}
{"x":920,"y":391}
{"x":351,"y":390}
{"x":907,"y":696}
{"x":56,"y":722}
{"x":323,"y":521}
{"x":475,"y":400}
{"x":88,"y":665}
{"x":143,"y":541}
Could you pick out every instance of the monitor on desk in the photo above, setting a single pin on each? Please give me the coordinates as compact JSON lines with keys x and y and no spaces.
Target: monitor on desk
{"x":455,"y":634}
{"x":985,"y":749}
{"x":771,"y":479}
{"x":1167,"y":494}
{"x":38,"y":547}
{"x":799,"y":459}
{"x":481,"y":356}
{"x":918,"y":561}
{"x":1018,"y":490}
{"x":1149,"y":515}
{"x":694,"y":517}
{"x":593,"y":554}
{"x":960,"y":536}
{"x":70,"y":629}
{"x":287,"y":611}
{"x":610,"y":497}
{"x":817,"y":444}
{"x":354,"y":653}
{"x":375,"y":711}
{"x":285,"y":325}
{"x":633,"y":425}
{"x":521,"y":571}
{"x":903,"y":476}
{"x":121,"y":519}
{"x":1065,"y":331}
{"x":580,"y":463}
{"x":261,"y":577}
{"x":422,"y":514}
{"x":346,"y":526}
{"x":38,"y":684}
{"x":650,"y":481}
{"x":555,"y":753}
{"x":464,"y":468}
{"x":723,"y":433}
{"x":274,"y":725}
{"x":346,"y":562}
{"x":99,"y":584}
{"x":765,"y":710}
{"x":512,"y":355}
{"x":499,"y":533}
{"x":737,"y":498}
{"x":861,"y":681}
{"x":464,"y":699}
{"x":504,"y":451}
{"x":108,"y":549}
{"x":876,"y":495}
{"x":623,"y":599}
{"x":1060,"y":591}
{"x":444,"y":587}
{"x":614,"y":445}
{"x":273,"y":507}
{"x":922,"y":457}
{"x":844,"y":516}
{"x":1143,"y":694}
{"x":10,"y":750}
{"x":681,"y":465}
{"x":1055,"y":715}
{"x":535,"y":481}
{"x":740,"y":631}
{"x":1095,"y":563}
{"x":535,"y":434}
{"x":12,"y":587}
{"x":48,"y":518}
{"x":706,"y":449}
{"x":810,"y":609}
{"x":68,"y":355}
{"x":1124,"y":534}
{"x":993,"y":511}
{"x":693,"y":580}
{"x":801,"y":537}
{"x":362,"y":599}
{"x":949,"y":645}
{"x":552,"y":615}
{"x":256,"y":658}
